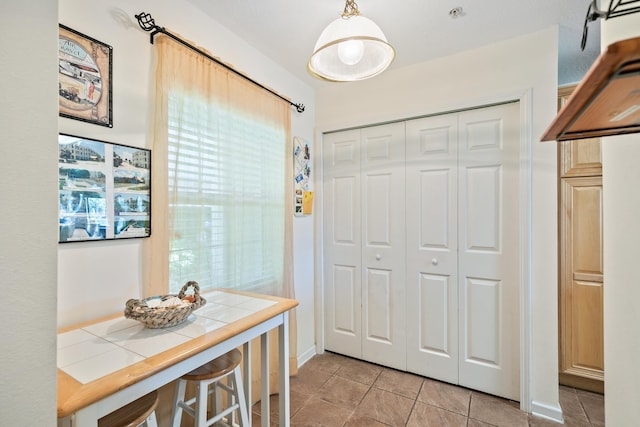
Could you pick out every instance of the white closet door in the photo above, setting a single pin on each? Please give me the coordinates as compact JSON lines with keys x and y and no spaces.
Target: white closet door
{"x":432,"y":257}
{"x":489,"y":229}
{"x":342,"y":243}
{"x":421,"y":246}
{"x":383,"y":244}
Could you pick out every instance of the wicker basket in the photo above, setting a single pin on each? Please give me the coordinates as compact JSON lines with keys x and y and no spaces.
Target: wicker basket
{"x":164,"y":317}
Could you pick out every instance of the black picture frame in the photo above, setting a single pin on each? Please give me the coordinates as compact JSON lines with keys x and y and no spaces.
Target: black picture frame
{"x":104,"y":190}
{"x":85,"y":84}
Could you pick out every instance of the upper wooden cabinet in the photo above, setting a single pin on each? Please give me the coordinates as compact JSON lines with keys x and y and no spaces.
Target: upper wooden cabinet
{"x":607,"y":101}
{"x":582,"y":157}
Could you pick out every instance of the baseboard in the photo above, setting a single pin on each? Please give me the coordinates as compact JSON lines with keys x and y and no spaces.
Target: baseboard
{"x":306,"y":356}
{"x":583,"y":383}
{"x":553,"y":413}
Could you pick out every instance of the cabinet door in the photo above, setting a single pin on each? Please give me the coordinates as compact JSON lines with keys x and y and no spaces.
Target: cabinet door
{"x":581,"y":157}
{"x":581,"y":282}
{"x":383,"y":249}
{"x":432,"y":247}
{"x":342,"y":242}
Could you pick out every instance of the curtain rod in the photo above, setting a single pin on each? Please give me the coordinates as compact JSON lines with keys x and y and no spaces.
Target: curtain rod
{"x":147,"y":23}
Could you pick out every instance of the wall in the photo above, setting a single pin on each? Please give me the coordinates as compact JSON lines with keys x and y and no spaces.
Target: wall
{"x":28,"y":207}
{"x":574,"y":62}
{"x":96,"y":278}
{"x":620,"y":175}
{"x":496,"y":72}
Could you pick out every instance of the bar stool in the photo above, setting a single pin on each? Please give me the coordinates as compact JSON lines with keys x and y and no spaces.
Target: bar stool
{"x":136,"y":413}
{"x":207,"y":379}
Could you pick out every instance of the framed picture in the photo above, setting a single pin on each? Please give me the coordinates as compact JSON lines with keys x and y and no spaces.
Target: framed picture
{"x":84,"y":78}
{"x":104,"y":190}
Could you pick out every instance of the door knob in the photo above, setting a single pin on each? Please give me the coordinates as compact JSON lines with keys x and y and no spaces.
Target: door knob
{"x":434,"y":261}
{"x":378,"y":257}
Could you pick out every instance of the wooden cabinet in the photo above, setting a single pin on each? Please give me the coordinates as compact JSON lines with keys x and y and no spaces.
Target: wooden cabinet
{"x":580,"y":157}
{"x":581,"y":337}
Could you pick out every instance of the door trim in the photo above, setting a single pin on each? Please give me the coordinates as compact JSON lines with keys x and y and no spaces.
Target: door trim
{"x":525,"y":98}
{"x":526,"y":207}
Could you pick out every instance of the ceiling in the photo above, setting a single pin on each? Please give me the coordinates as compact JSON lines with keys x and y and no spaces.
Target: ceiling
{"x":419,"y":30}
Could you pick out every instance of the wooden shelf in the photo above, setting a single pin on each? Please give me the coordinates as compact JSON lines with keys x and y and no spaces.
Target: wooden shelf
{"x":607,"y":101}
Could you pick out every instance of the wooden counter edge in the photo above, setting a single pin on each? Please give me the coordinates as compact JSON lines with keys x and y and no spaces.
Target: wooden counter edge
{"x":73,"y":395}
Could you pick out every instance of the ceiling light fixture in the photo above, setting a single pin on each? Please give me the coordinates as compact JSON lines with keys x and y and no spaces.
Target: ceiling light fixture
{"x":351,"y":48}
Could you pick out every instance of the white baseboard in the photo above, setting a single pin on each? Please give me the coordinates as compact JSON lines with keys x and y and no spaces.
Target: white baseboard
{"x":550,"y":412}
{"x":306,"y":356}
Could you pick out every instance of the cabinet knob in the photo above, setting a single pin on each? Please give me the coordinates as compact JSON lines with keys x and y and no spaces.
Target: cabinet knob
{"x":434,"y":261}
{"x":378,"y":257}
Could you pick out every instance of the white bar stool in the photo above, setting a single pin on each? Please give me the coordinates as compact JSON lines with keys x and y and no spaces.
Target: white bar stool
{"x":136,"y":413}
{"x":207,"y":379}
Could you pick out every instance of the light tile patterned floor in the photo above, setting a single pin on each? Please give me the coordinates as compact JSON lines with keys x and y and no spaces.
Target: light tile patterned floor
{"x":337,"y":391}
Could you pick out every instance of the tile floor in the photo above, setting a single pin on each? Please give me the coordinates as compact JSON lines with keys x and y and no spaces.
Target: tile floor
{"x":337,"y":391}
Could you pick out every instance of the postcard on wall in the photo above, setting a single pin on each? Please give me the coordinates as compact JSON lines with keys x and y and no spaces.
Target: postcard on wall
{"x":84,"y":78}
{"x":307,"y":202}
{"x":104,"y":190}
{"x":302,"y":177}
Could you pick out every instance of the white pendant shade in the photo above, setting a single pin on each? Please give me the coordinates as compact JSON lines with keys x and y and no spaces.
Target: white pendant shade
{"x":349,"y":50}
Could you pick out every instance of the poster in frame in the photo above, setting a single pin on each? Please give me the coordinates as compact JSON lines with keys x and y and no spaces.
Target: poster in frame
{"x":104,"y":190}
{"x":84,"y":78}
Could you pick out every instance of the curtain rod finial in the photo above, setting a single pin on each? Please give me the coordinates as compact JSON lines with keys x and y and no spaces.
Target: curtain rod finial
{"x":146,"y":21}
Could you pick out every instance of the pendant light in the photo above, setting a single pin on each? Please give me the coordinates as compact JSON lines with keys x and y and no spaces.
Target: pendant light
{"x":351,"y":48}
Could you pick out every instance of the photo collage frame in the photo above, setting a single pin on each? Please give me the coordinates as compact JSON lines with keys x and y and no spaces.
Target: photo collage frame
{"x":104,"y":190}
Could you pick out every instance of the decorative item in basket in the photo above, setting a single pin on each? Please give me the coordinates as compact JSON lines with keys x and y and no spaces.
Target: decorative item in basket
{"x":163,"y":311}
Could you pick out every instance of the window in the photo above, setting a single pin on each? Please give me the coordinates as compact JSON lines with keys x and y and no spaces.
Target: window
{"x":226,"y":206}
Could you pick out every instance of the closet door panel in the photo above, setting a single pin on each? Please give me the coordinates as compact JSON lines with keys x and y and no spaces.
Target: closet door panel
{"x":433,"y":324}
{"x":378,"y":312}
{"x":383,"y":192}
{"x":431,"y":239}
{"x":344,"y":321}
{"x":482,"y":300}
{"x":482,"y":219}
{"x":342,"y":243}
{"x":489,"y":244}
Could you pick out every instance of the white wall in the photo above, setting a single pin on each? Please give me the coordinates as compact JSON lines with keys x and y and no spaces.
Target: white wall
{"x":28,"y":210}
{"x":96,"y":278}
{"x":620,"y":175}
{"x":497,"y":72}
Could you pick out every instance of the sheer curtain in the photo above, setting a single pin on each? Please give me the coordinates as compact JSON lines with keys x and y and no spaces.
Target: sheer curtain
{"x":221,"y":191}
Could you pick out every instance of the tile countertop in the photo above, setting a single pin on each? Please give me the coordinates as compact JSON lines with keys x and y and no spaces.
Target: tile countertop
{"x":96,"y":350}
